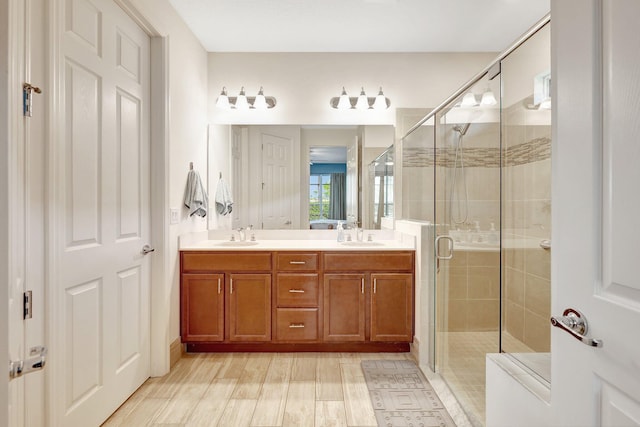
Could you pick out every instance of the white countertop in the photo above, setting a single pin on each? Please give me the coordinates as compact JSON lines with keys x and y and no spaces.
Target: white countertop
{"x":297,"y":245}
{"x":296,"y":240}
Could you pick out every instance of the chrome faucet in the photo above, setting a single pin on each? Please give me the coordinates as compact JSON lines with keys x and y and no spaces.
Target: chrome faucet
{"x":242,"y":233}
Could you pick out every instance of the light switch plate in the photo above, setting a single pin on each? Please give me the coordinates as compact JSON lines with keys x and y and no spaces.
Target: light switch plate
{"x":175,"y":215}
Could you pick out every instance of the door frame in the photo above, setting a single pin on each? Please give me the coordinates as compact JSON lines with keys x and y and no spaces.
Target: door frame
{"x":7,"y":145}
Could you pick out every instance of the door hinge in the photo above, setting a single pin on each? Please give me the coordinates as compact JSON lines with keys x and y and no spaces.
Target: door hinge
{"x":27,"y":98}
{"x":27,"y":312}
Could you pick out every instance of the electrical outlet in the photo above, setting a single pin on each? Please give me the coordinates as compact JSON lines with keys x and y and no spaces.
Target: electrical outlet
{"x":175,"y":215}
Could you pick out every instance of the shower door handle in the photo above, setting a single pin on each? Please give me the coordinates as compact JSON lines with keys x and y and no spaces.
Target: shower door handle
{"x":438,"y":256}
{"x":574,"y":322}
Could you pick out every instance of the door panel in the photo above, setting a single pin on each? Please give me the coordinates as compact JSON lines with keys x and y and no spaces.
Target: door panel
{"x":250,"y":307}
{"x":392,"y":307}
{"x":274,"y":151}
{"x":596,"y":168}
{"x":202,"y":301}
{"x":344,"y":307}
{"x":277,"y":164}
{"x":102,"y":278}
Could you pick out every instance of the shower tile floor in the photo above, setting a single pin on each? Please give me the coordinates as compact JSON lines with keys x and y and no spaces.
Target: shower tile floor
{"x":461,"y":363}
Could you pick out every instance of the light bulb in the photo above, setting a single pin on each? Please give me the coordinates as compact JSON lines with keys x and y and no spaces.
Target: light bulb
{"x":488,"y":98}
{"x":241,"y":100}
{"x":363,"y":102}
{"x":223,"y":100}
{"x":469,"y":100}
{"x":344,"y":103}
{"x":381,"y":102}
{"x":260,"y":102}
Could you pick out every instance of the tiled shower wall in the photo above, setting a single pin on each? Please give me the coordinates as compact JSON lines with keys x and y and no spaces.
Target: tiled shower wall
{"x":526,"y":216}
{"x":473,"y":292}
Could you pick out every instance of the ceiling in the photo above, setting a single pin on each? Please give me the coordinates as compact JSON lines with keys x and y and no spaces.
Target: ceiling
{"x":328,"y":154}
{"x":359,"y":25}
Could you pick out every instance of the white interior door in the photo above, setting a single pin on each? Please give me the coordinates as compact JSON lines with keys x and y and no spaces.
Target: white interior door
{"x":100,"y":291}
{"x":280,"y":176}
{"x":595,"y":210}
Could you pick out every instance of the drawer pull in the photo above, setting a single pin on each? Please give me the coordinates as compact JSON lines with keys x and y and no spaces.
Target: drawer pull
{"x":218,"y":286}
{"x":296,"y":325}
{"x":296,"y":291}
{"x":297,"y":262}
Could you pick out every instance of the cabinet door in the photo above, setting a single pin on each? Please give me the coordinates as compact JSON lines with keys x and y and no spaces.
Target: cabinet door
{"x":392,"y":307}
{"x":249,"y":307}
{"x":344,"y":312}
{"x":202,"y":307}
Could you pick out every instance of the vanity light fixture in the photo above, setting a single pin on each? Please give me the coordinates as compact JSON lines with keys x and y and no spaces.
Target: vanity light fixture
{"x":469,"y":100}
{"x":380,"y":102}
{"x":244,"y":102}
{"x":223,"y":100}
{"x":344,"y":103}
{"x":362,"y":102}
{"x":488,"y":98}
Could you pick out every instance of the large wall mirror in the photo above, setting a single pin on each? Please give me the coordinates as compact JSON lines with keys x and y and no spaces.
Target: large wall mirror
{"x":294,"y":176}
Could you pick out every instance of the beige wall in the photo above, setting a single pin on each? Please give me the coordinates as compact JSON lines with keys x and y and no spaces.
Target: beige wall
{"x":187,"y":127}
{"x":303,"y":83}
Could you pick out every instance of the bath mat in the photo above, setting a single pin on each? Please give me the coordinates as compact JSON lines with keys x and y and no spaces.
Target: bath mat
{"x":402,"y":396}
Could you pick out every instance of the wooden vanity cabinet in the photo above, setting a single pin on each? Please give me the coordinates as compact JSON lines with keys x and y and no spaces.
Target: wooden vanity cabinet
{"x":379,"y":308}
{"x":297,"y":301}
{"x":225,"y":296}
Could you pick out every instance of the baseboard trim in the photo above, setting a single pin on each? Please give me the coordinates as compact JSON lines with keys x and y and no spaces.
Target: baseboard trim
{"x":298,"y":347}
{"x":176,"y":349}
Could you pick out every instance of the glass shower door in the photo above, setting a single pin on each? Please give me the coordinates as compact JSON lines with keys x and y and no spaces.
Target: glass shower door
{"x":467,"y":227}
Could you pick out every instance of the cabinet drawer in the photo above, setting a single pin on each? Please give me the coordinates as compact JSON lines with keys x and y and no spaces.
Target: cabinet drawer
{"x":297,"y":290}
{"x":367,"y":261}
{"x":236,"y":261}
{"x":297,"y":324}
{"x":296,"y":261}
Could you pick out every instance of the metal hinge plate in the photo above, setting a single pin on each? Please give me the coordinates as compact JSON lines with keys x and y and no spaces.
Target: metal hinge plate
{"x":27,"y":98}
{"x":28,"y":305}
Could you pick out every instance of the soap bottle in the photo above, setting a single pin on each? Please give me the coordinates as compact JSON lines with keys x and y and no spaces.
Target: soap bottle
{"x":340,"y":232}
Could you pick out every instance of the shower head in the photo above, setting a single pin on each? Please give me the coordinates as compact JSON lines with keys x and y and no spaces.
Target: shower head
{"x":462,"y":128}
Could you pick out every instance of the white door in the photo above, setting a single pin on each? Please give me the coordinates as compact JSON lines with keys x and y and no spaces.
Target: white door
{"x":280,"y":176}
{"x":99,"y":303}
{"x":596,"y":200}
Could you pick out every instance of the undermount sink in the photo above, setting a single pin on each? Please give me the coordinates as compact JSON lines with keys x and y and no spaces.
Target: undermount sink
{"x":366,"y":244}
{"x":238,"y":243}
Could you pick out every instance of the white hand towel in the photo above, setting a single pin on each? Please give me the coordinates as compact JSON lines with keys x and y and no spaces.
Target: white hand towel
{"x":224,"y":201}
{"x":195,"y":196}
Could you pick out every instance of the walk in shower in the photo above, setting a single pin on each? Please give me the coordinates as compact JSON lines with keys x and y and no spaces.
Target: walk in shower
{"x":478,"y":168}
